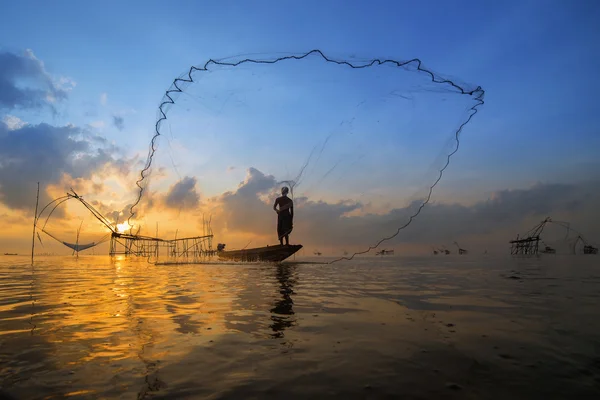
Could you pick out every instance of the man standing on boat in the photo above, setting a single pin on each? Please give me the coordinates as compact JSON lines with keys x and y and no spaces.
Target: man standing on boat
{"x":285,"y":216}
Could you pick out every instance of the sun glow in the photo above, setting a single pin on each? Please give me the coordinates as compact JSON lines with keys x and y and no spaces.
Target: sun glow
{"x":123,"y":227}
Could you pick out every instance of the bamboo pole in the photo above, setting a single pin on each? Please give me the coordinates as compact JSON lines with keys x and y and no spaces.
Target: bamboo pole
{"x":37,"y":199}
{"x":77,"y":241}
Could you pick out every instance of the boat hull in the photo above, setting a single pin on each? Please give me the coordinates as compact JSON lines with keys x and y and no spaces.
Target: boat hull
{"x":267,"y":254}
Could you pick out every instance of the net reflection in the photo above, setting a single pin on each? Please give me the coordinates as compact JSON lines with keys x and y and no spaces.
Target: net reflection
{"x":282,"y":314}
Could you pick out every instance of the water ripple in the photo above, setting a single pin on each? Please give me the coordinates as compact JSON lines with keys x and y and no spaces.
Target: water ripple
{"x":417,"y":327}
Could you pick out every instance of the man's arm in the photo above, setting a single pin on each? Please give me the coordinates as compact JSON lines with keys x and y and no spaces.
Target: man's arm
{"x":292,"y":210}
{"x":275,"y":206}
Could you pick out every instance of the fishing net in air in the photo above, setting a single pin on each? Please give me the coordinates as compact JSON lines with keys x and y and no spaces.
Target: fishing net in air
{"x":360,"y":143}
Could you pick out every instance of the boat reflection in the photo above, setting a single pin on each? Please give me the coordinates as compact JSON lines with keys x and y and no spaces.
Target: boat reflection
{"x":282,"y":314}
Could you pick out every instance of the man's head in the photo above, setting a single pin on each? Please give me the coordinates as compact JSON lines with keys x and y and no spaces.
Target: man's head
{"x":284,"y":190}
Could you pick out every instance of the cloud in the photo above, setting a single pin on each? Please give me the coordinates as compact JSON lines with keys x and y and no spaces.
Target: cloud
{"x":255,"y":183}
{"x":13,"y":122}
{"x":25,"y":83}
{"x":45,"y":153}
{"x":118,"y":122}
{"x":11,"y":219}
{"x":506,"y":210}
{"x":183,"y":194}
{"x":97,"y":124}
{"x":345,"y":224}
{"x":243,"y":210}
{"x":103,"y":98}
{"x":115,"y":216}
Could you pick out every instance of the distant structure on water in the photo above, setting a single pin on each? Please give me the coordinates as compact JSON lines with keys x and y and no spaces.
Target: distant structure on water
{"x":460,"y":251}
{"x":587,"y":248}
{"x":443,"y":250}
{"x":549,"y":250}
{"x":121,"y":243}
{"x":529,"y":243}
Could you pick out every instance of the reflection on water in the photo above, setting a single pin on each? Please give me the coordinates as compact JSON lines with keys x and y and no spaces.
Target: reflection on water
{"x":421,"y":328}
{"x":283,"y":311}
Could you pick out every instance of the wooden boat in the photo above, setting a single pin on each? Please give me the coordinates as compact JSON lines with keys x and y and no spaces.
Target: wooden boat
{"x":268,"y":254}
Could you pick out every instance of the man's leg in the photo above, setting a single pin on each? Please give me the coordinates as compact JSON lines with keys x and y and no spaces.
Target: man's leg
{"x":287,"y":240}
{"x":279,"y":235}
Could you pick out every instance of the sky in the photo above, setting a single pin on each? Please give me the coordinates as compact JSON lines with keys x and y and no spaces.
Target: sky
{"x":80,"y":86}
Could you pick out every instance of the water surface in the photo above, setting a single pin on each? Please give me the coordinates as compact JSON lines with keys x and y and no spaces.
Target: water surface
{"x":392,"y":327}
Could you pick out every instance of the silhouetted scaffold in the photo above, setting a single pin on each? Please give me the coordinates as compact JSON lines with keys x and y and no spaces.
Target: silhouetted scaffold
{"x":529,"y":243}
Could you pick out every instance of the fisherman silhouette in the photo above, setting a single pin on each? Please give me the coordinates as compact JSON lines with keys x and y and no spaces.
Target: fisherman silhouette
{"x":285,"y":216}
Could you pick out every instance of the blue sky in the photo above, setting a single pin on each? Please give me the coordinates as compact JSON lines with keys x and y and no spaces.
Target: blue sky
{"x":537,"y":61}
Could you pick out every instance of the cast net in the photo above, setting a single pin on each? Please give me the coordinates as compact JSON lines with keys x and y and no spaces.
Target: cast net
{"x":360,"y":143}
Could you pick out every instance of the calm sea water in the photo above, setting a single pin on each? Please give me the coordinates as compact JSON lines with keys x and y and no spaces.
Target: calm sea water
{"x":392,"y":327}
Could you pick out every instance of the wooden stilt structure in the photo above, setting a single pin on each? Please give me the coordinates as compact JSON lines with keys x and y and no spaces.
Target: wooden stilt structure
{"x":35,"y":217}
{"x":587,"y":248}
{"x":187,"y":249}
{"x":529,"y":244}
{"x":461,"y":251}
